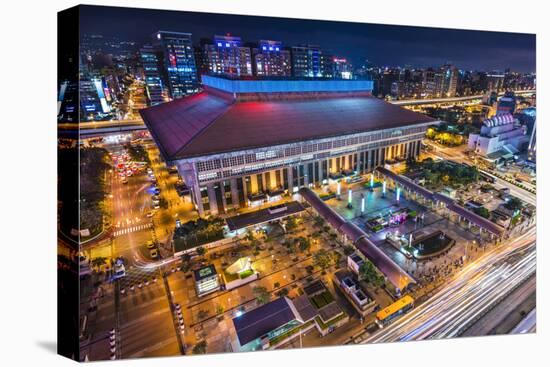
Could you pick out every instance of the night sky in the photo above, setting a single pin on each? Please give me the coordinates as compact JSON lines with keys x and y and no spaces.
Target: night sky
{"x":382,"y":45}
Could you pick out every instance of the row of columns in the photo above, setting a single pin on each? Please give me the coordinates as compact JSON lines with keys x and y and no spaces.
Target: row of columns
{"x":361,"y":162}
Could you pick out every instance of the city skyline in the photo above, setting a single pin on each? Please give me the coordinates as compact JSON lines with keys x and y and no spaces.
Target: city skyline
{"x":382,"y":45}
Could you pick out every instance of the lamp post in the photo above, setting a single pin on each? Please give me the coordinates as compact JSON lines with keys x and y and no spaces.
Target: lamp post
{"x":362,"y":203}
{"x":384,"y":188}
{"x":349,"y":198}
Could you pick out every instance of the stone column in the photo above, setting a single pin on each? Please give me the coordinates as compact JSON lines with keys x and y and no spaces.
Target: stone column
{"x":235,"y":192}
{"x":212,"y":199}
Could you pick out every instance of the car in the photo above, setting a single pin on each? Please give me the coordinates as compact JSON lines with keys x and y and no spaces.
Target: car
{"x":154,"y":253}
{"x":151,"y":214}
{"x":156,"y":206}
{"x":150,"y":245}
{"x":124,"y":181}
{"x":156,"y":191}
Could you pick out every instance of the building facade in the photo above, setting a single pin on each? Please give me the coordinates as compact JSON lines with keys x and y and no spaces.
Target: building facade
{"x":307,"y":62}
{"x":152,"y":75}
{"x":279,"y":136}
{"x":341,"y":68}
{"x":178,"y":60}
{"x":270,"y":59}
{"x":227,"y":56}
{"x":500,"y":134}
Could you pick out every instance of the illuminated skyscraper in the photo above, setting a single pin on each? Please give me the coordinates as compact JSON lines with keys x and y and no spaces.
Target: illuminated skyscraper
{"x":152,"y":74}
{"x":449,"y":80}
{"x":178,"y":59}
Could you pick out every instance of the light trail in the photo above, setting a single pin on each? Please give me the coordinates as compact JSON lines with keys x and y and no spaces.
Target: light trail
{"x":468,"y":295}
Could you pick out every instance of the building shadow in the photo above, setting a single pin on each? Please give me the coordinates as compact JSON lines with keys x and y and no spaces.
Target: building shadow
{"x":48,"y":345}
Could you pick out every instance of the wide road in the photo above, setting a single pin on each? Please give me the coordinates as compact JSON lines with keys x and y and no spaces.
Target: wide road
{"x":508,"y":313}
{"x":527,"y":325}
{"x":468,"y":295}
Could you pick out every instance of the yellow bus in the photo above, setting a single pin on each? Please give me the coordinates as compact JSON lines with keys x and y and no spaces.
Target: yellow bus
{"x":399,"y":307}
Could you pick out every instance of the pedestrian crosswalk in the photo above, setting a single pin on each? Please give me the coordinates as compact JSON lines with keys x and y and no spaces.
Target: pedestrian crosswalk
{"x":140,"y":227}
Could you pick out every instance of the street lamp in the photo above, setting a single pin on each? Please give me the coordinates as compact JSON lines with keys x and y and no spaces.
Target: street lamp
{"x":349,"y":198}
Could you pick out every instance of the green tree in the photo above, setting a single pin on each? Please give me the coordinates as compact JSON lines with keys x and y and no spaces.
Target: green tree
{"x":201,"y":251}
{"x":200,"y":347}
{"x":185,"y":262}
{"x":99,"y":261}
{"x":348,"y":250}
{"x":282,"y":292}
{"x":513,"y":204}
{"x":261,"y":294}
{"x":323,"y":259}
{"x":291,"y":223}
{"x":304,"y":243}
{"x":370,"y":274}
{"x":482,"y":211}
{"x":319,"y":221}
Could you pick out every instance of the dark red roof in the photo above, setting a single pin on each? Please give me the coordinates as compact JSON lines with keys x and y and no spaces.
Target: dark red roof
{"x":207,"y":124}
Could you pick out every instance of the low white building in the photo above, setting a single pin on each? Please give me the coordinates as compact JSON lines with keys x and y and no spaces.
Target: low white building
{"x":501,"y":133}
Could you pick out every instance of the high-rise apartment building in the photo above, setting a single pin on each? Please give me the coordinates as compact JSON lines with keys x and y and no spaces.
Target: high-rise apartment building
{"x":270,"y":59}
{"x":307,"y":61}
{"x":228,"y":56}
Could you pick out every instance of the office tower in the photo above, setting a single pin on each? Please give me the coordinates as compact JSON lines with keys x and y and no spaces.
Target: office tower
{"x":152,"y":73}
{"x":178,"y":60}
{"x":449,"y":75}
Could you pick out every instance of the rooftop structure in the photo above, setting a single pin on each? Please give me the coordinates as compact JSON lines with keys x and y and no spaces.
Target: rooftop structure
{"x":481,"y":222}
{"x":250,"y":137}
{"x":265,"y":322}
{"x":397,"y":276}
{"x":206,"y":280}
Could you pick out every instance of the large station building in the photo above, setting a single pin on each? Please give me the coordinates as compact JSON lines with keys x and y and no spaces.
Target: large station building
{"x":241,"y":143}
